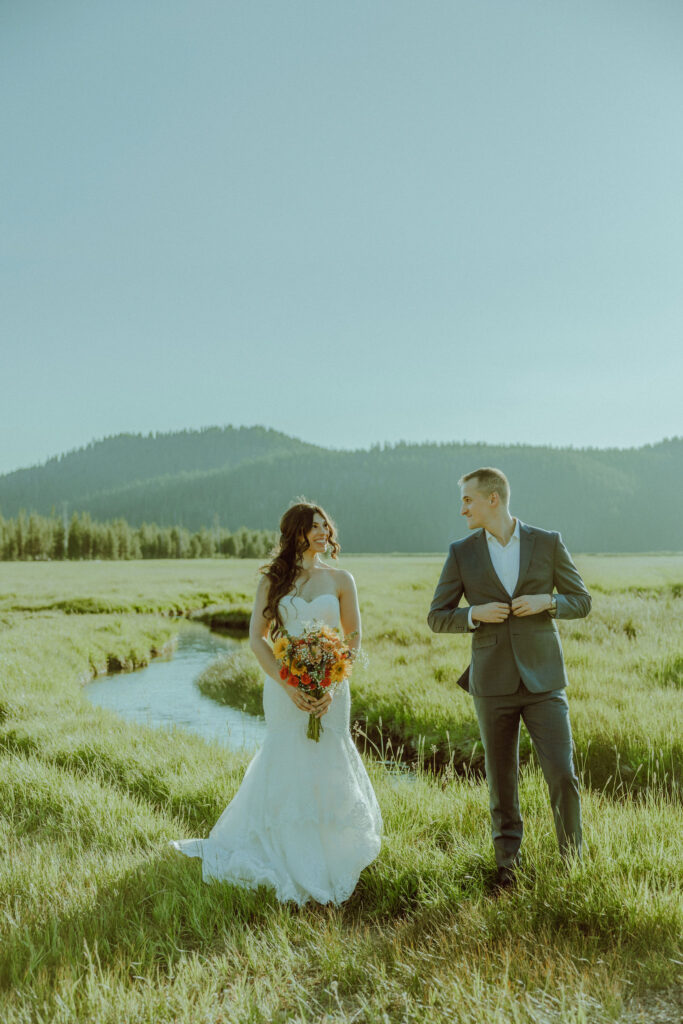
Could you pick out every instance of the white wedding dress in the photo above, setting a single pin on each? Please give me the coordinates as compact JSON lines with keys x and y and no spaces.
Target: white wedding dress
{"x":305,"y":820}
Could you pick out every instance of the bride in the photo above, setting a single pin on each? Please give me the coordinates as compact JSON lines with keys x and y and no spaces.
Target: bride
{"x":305,"y":820}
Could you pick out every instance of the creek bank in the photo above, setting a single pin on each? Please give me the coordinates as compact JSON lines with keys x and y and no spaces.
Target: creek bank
{"x":388,"y":744}
{"x":132,"y":663}
{"x":233,"y":622}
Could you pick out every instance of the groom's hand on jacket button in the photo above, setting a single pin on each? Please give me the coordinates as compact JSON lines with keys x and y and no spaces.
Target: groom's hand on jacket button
{"x":496,"y":611}
{"x":532,"y":604}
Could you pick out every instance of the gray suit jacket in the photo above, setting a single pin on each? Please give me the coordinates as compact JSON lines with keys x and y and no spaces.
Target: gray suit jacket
{"x":526,"y":648}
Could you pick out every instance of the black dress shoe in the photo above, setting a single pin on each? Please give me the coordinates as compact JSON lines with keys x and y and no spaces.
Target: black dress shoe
{"x":506,"y":878}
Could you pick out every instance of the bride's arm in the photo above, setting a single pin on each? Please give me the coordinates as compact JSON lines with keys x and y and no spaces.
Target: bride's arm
{"x":258,"y":631}
{"x":349,"y":611}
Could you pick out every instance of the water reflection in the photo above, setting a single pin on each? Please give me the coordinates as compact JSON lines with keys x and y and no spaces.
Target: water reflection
{"x":164,"y":694}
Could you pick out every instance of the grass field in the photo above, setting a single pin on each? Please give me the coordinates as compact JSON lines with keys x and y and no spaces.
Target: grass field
{"x":99,"y":922}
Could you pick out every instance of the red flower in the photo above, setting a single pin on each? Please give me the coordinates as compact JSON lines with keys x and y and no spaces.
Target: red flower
{"x":284,"y":672}
{"x":306,"y":679}
{"x":293,"y":681}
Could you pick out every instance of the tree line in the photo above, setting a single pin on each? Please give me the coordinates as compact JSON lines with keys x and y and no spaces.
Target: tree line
{"x":37,"y":537}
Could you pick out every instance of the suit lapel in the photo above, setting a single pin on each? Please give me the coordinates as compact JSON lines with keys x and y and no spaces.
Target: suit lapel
{"x":484,"y":559}
{"x":526,"y":547}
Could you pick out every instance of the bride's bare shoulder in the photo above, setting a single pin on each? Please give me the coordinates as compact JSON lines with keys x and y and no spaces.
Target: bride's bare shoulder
{"x":343,"y":580}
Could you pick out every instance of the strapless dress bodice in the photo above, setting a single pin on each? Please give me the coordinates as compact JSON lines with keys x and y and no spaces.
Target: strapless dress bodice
{"x":297,"y":612}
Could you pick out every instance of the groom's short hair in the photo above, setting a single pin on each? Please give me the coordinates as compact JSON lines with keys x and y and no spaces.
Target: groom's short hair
{"x":489,"y":480}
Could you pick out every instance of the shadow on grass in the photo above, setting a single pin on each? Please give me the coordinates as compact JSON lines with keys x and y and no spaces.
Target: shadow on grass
{"x":152,"y":915}
{"x":195,"y":808}
{"x":149,"y":917}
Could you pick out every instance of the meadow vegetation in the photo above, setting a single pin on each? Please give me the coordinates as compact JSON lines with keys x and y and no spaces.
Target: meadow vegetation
{"x":101,"y":922}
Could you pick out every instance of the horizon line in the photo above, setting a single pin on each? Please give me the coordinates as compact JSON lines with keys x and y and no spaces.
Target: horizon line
{"x":381,"y":445}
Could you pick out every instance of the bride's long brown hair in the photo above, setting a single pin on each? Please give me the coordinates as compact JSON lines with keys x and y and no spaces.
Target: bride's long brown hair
{"x":285,"y":563}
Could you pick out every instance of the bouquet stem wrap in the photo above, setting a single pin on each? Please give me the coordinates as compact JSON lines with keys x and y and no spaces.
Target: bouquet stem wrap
{"x":314,"y":728}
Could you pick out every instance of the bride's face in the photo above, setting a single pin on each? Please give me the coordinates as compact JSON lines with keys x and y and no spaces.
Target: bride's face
{"x":318,"y":535}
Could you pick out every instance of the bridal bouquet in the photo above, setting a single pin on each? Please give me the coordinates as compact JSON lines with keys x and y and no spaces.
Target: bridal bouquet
{"x":314,"y":661}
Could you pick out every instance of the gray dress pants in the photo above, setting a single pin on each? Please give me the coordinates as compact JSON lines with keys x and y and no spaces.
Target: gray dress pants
{"x":546,"y":716}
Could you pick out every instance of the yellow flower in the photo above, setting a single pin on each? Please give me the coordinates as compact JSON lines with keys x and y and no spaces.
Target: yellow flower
{"x":296,"y":668}
{"x":338,"y":672}
{"x":280,"y":647}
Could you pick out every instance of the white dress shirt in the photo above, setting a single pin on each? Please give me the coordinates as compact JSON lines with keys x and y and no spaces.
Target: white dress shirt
{"x":505,"y":561}
{"x":505,"y":558}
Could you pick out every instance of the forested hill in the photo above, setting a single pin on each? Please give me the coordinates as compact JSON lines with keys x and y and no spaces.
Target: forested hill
{"x":397,"y":498}
{"x":129,"y":458}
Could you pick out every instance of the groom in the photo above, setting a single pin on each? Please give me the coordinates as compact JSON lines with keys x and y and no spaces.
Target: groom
{"x":507,"y":572}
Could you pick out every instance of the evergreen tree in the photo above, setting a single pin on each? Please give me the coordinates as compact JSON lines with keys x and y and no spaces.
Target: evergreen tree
{"x":58,"y":540}
{"x":73,"y":542}
{"x":20,"y":535}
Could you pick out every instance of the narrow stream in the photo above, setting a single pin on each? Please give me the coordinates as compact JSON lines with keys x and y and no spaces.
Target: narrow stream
{"x":164,"y":693}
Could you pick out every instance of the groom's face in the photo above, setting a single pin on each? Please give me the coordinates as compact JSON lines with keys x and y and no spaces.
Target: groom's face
{"x":475,"y":507}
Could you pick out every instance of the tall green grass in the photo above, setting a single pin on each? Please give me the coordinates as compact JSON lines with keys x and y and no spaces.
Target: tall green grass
{"x":101,"y":922}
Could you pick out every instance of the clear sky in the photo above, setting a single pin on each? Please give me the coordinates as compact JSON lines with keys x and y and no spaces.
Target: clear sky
{"x":350,"y":220}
